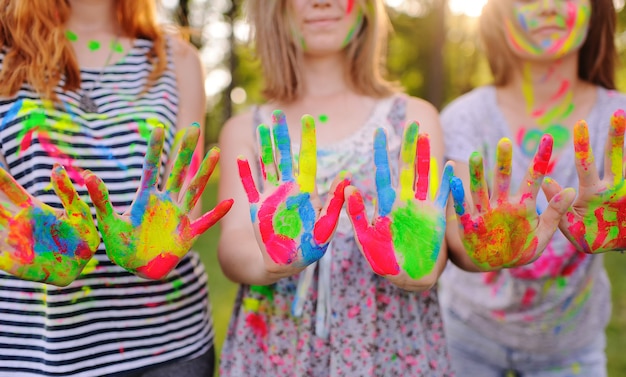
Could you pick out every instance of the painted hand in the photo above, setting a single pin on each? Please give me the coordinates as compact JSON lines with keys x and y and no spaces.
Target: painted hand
{"x":40,"y":243}
{"x":596,"y":222}
{"x":292,"y":228}
{"x":404,"y":239}
{"x":156,"y":232}
{"x":506,"y":231}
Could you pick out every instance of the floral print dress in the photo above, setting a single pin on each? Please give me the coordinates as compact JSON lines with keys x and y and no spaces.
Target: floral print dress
{"x":353,"y":322}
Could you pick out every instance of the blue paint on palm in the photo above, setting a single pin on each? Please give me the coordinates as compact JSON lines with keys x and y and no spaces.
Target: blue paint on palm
{"x":386,"y":194}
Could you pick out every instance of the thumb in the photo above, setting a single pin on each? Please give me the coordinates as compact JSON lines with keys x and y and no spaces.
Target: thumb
{"x":327,"y":223}
{"x":99,"y":195}
{"x":557,"y":207}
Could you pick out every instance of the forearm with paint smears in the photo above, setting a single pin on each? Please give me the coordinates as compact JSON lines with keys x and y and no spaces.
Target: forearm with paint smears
{"x":406,"y":235}
{"x":40,"y":243}
{"x":291,"y":226}
{"x":596,"y":222}
{"x":152,"y":237}
{"x":506,"y":231}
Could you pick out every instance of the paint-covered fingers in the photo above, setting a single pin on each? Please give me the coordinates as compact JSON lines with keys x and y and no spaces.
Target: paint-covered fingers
{"x":245,"y":174}
{"x":422,"y":161}
{"x":614,"y":159}
{"x":386,"y":193}
{"x":461,"y":207}
{"x":502,"y":174}
{"x":183,"y":160}
{"x":536,"y":171}
{"x":199,"y":181}
{"x":585,"y":163}
{"x":13,"y":190}
{"x":441,"y":200}
{"x":478,"y":185}
{"x":374,"y":241}
{"x":99,"y":195}
{"x":307,"y":162}
{"x":558,"y":206}
{"x":152,"y":161}
{"x":329,"y":217}
{"x":65,"y":190}
{"x":210,"y":218}
{"x":268,"y":160}
{"x":406,"y":164}
{"x":282,"y":141}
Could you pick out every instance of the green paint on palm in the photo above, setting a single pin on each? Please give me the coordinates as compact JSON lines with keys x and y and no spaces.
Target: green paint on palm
{"x":287,"y":221}
{"x":415,"y":238}
{"x":323,"y":118}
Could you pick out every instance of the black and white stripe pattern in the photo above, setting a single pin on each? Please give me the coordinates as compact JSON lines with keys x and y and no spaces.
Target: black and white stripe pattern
{"x":108,"y":321}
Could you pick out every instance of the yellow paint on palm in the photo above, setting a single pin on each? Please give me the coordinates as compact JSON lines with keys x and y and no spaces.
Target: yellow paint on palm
{"x":407,"y":156}
{"x":307,"y":163}
{"x":161,"y":217}
{"x":433,"y":178}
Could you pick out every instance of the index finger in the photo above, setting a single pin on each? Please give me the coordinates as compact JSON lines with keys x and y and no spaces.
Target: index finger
{"x":584,"y":159}
{"x":307,"y":164}
{"x":152,"y":160}
{"x":614,"y":160}
{"x":537,"y":170}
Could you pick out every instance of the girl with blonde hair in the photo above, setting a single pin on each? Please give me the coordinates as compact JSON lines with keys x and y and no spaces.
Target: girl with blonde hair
{"x":84,"y":84}
{"x":320,"y":309}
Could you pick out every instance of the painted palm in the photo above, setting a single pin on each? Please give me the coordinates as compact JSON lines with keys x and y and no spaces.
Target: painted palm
{"x":405,"y":236}
{"x":156,"y":232}
{"x":596,"y":222}
{"x":40,"y":243}
{"x":291,"y":226}
{"x":505,"y":230}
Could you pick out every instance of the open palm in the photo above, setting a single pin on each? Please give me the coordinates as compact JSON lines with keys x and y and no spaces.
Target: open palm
{"x":291,"y":226}
{"x":156,"y":232}
{"x":596,"y":222}
{"x":404,"y":239}
{"x":506,"y":231}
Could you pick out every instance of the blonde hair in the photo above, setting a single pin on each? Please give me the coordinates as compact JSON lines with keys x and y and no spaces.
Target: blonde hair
{"x":280,"y":53}
{"x":597,"y":58}
{"x":40,"y":54}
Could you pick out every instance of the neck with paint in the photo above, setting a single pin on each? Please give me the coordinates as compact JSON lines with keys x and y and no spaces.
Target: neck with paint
{"x":548,"y":91}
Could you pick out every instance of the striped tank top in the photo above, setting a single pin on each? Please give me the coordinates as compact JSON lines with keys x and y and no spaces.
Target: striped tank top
{"x":108,"y":321}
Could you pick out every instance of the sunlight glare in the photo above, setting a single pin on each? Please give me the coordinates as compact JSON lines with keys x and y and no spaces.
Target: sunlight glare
{"x":471,"y":8}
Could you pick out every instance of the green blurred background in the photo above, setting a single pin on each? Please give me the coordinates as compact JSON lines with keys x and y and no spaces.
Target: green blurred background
{"x":434,"y":53}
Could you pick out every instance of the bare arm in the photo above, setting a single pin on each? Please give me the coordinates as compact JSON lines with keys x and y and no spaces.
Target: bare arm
{"x":239,"y":254}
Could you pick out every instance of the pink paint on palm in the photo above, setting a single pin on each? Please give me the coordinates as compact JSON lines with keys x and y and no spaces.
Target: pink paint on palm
{"x":159,"y":267}
{"x":280,"y":248}
{"x":423,"y":166}
{"x":326,"y":224}
{"x":378,"y":237}
{"x":248,"y":181}
{"x":542,"y":158}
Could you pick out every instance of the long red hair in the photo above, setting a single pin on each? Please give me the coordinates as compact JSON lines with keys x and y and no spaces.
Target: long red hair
{"x":38,"y":52}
